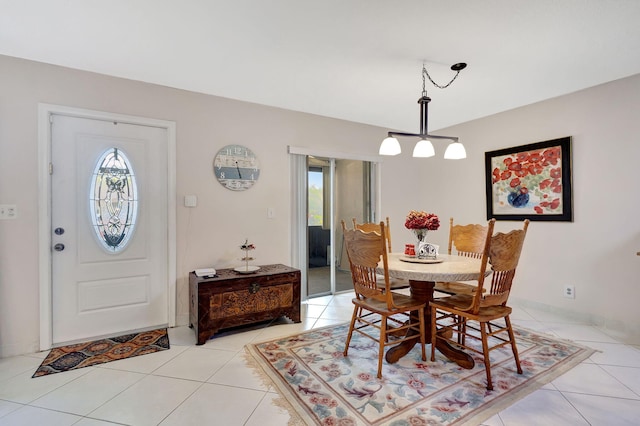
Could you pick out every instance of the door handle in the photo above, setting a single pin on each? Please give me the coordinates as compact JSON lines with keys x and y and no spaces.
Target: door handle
{"x":58,"y":247}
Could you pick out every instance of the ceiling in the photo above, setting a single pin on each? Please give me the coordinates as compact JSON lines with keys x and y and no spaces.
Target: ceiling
{"x":358,"y":60}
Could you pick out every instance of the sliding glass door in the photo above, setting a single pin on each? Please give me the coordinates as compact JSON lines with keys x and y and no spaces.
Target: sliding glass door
{"x":338,"y":189}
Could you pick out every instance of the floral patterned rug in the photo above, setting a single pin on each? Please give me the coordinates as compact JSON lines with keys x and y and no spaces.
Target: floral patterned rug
{"x":322,"y":387}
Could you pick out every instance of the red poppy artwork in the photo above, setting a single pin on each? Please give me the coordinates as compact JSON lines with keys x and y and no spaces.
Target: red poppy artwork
{"x":530,"y":182}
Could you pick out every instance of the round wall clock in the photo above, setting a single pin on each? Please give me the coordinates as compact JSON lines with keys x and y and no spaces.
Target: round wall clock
{"x":236,"y":167}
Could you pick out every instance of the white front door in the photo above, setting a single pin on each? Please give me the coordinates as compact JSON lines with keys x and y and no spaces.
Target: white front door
{"x":109,"y":228}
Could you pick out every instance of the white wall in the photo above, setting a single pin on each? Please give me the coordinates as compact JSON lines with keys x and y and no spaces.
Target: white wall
{"x":596,"y":253}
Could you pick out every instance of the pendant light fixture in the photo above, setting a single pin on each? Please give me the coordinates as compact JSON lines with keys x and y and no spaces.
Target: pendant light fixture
{"x":424,"y":147}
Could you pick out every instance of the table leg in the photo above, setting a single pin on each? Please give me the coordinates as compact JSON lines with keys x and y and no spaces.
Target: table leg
{"x":423,"y":290}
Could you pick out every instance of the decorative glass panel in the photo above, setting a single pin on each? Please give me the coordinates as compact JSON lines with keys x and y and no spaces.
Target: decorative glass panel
{"x":114,"y":200}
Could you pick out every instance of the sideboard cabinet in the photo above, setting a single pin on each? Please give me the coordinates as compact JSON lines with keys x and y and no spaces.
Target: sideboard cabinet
{"x":232,"y":299}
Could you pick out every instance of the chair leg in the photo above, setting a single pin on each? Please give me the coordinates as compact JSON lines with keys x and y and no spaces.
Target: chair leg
{"x":433,"y":333}
{"x":382,"y":339}
{"x":513,"y":343}
{"x":422,"y":333}
{"x":485,"y":351}
{"x":462,"y":338}
{"x":356,"y":309}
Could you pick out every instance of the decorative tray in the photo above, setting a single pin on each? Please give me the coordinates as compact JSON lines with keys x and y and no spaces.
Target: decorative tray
{"x":246,"y":269}
{"x":416,"y":260}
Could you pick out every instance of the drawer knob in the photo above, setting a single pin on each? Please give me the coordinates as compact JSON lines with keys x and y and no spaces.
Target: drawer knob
{"x":254,"y":288}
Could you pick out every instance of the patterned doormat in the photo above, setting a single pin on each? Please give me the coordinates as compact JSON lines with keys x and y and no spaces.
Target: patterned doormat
{"x":319,"y":386}
{"x":81,"y":355}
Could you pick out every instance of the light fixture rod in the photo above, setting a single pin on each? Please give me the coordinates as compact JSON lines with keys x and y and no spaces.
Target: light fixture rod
{"x":424,"y":113}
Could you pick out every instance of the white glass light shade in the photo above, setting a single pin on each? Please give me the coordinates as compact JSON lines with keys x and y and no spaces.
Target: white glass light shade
{"x":423,"y":149}
{"x":455,"y":151}
{"x":389,"y":146}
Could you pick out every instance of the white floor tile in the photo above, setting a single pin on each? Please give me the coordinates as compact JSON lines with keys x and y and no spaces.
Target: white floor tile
{"x":147,"y":402}
{"x":10,"y":367}
{"x":313,"y":311}
{"x":585,"y":333}
{"x":195,"y":363}
{"x":629,"y":376}
{"x":268,"y":413}
{"x":30,"y":416}
{"x":282,"y":330}
{"x":93,"y":422}
{"x":88,"y":392}
{"x":533,"y":325}
{"x":238,"y":372}
{"x":324,"y":322}
{"x":322,"y":300}
{"x":24,"y":389}
{"x":337,"y":313}
{"x":593,"y":380}
{"x":599,"y":410}
{"x":232,"y":340}
{"x":6,"y":407}
{"x":542,"y":408}
{"x":214,"y":404}
{"x":615,"y":354}
{"x":181,"y":336}
{"x":493,"y":421}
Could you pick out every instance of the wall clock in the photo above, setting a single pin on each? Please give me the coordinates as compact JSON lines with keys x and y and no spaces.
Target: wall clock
{"x":236,"y":167}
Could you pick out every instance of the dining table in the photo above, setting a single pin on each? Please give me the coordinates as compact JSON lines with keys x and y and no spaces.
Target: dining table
{"x":422,"y":275}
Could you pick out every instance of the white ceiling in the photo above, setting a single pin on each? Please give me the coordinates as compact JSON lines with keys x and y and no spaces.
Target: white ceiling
{"x":358,"y":60}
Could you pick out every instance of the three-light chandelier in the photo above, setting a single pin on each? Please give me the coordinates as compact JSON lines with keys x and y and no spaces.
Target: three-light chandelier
{"x":424,"y":147}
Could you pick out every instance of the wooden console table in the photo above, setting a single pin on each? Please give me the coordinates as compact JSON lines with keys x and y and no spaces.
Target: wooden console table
{"x":232,"y":299}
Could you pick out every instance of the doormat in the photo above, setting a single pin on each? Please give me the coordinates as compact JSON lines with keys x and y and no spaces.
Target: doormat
{"x":319,"y":386}
{"x":81,"y":355}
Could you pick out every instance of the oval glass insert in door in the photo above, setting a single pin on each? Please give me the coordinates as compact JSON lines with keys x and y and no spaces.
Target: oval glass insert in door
{"x":113,"y":200}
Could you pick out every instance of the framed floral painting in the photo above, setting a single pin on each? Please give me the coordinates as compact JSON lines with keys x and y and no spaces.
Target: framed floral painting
{"x":530,"y":182}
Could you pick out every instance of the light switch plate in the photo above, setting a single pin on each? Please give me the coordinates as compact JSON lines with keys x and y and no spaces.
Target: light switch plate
{"x":190,"y":201}
{"x":8,"y":211}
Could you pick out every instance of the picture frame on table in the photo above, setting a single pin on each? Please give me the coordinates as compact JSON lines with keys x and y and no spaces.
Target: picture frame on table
{"x":530,"y":181}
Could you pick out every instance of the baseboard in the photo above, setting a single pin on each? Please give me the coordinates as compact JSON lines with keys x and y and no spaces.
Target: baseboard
{"x":182,"y":320}
{"x":16,"y":349}
{"x":619,"y":330}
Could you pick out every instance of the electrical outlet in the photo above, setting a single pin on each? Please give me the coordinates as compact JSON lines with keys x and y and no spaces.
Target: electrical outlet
{"x":569,"y":291}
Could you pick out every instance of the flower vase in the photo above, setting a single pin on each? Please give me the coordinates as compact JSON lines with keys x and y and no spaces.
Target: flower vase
{"x":421,"y":234}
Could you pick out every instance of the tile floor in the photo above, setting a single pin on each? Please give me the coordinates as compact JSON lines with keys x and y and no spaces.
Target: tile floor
{"x":210,"y":384}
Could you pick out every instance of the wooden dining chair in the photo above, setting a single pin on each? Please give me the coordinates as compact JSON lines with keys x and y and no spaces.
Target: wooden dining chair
{"x":468,"y":241}
{"x":396,"y":283}
{"x":374,"y":308}
{"x":375,"y":227}
{"x":460,"y":317}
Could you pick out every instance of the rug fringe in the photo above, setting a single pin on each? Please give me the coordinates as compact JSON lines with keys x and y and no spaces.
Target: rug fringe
{"x":280,"y":401}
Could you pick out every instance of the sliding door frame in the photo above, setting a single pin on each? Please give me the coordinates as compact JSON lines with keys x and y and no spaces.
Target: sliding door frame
{"x":299,"y":188}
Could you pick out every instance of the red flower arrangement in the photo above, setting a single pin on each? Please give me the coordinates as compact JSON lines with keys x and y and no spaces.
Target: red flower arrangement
{"x":422,"y":220}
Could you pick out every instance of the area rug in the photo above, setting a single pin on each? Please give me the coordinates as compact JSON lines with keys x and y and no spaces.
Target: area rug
{"x":81,"y":355}
{"x":322,"y":387}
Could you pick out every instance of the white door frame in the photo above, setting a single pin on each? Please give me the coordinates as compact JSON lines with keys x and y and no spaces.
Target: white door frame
{"x":45,"y":111}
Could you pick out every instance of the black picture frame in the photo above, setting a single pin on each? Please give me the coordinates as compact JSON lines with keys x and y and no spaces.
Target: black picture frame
{"x":530,"y":181}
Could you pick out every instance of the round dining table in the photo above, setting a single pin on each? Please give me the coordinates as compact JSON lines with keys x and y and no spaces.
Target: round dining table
{"x":422,"y":275}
